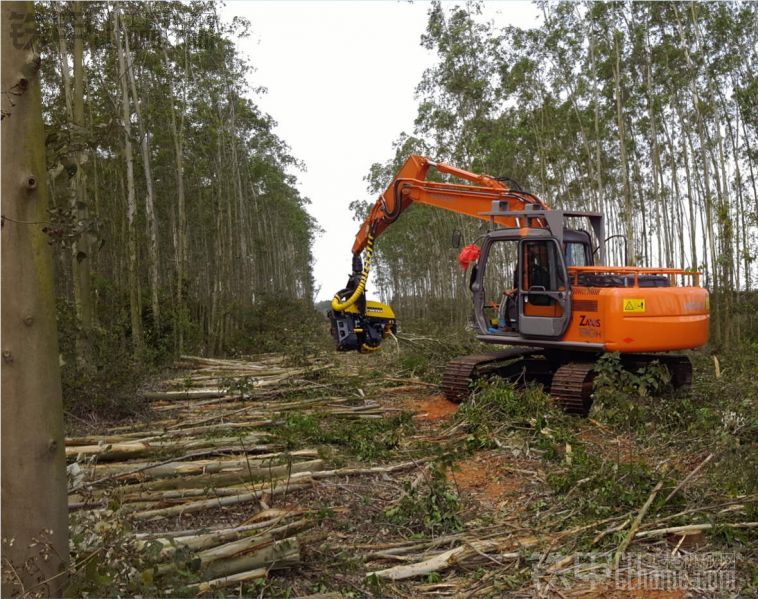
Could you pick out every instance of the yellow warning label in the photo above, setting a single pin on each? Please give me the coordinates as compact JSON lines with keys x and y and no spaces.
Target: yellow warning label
{"x":634,"y":305}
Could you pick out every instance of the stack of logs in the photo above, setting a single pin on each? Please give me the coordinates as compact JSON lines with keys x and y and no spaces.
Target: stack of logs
{"x":210,"y":449}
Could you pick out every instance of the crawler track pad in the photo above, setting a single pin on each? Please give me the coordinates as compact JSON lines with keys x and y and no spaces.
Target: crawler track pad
{"x":461,"y":372}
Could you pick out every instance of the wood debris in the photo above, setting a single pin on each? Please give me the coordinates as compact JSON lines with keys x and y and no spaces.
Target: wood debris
{"x":210,"y":449}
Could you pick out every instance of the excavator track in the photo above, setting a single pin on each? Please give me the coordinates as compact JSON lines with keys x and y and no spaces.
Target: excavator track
{"x":570,"y":384}
{"x":571,"y":388}
{"x":461,"y":372}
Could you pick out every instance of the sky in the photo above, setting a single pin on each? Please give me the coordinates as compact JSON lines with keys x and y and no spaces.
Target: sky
{"x":341,"y":78}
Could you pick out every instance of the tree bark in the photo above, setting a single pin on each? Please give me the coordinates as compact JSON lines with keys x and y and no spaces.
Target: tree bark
{"x":131,"y":210}
{"x":150,"y":217}
{"x":34,"y":470}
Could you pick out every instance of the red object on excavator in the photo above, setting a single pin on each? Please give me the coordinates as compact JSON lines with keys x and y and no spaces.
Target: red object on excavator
{"x":468,"y":255}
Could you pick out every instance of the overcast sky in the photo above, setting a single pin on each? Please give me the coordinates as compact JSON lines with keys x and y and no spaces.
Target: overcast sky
{"x":341,"y":77}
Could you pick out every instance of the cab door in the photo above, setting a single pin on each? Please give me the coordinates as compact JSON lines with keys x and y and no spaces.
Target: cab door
{"x":544,"y":293}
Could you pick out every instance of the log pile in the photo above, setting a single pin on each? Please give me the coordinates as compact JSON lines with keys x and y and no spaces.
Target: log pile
{"x":210,"y":448}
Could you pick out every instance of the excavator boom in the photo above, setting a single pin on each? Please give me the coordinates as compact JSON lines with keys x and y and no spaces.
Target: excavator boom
{"x":356,"y":325}
{"x":410,"y":186}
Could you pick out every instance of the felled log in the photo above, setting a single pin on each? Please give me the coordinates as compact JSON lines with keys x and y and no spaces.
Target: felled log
{"x":153,"y":470}
{"x":196,"y":506}
{"x":690,"y":529}
{"x":236,"y":472}
{"x":372,"y":470}
{"x":242,"y":555}
{"x":137,"y":449}
{"x":235,"y":557}
{"x":227,"y":581}
{"x":264,"y":519}
{"x":214,"y":539}
{"x":194,"y":394}
{"x":465,"y":554}
{"x":148,"y":436}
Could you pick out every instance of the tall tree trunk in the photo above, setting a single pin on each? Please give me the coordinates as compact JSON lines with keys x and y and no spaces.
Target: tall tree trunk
{"x":79,"y":249}
{"x":628,"y":214}
{"x":82,"y":260}
{"x":131,"y":203}
{"x":177,"y":133}
{"x":690,"y":192}
{"x":734,"y":136}
{"x":150,"y":217}
{"x":34,"y":504}
{"x":677,"y":193}
{"x":596,"y":120}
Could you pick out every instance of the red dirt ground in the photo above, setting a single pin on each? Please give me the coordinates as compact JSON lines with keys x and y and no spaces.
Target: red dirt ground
{"x":487,"y":479}
{"x":434,"y":407}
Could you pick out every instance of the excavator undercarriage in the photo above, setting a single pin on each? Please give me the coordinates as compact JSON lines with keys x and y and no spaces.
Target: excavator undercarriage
{"x":566,"y":376}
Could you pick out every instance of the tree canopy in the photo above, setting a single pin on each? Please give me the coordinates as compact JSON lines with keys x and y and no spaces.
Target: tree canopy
{"x":643,"y":111}
{"x":175,"y":212}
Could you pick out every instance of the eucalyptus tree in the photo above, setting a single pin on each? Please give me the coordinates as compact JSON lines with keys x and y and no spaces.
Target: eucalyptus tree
{"x":34,"y":504}
{"x":642,"y":111}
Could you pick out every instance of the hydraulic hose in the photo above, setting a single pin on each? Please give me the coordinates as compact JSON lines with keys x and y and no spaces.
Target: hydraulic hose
{"x":338,"y":305}
{"x":391,"y":217}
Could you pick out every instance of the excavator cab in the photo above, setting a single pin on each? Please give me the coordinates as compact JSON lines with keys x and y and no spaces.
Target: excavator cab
{"x":544,"y":304}
{"x":538,"y":304}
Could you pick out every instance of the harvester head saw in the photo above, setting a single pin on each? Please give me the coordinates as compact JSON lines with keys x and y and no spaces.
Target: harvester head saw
{"x":363,"y":331}
{"x":358,"y":324}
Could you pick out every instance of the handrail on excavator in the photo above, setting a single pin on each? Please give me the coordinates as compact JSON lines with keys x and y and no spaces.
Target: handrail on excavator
{"x":575,"y":271}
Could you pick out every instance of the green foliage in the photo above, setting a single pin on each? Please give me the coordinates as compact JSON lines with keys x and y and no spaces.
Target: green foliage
{"x":618,"y":391}
{"x":595,"y":486}
{"x":601,"y":487}
{"x":104,"y":376}
{"x":108,"y":561}
{"x":717,"y":413}
{"x":100,"y":372}
{"x":431,"y":507}
{"x":414,"y":364}
{"x":498,"y":408}
{"x":278,"y":324}
{"x":425,"y":348}
{"x":367,"y":440}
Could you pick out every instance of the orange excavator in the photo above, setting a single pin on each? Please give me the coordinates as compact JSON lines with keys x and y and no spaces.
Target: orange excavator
{"x":539,"y":286}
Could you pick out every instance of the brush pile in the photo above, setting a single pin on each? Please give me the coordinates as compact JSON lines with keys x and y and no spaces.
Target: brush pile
{"x":211,"y":450}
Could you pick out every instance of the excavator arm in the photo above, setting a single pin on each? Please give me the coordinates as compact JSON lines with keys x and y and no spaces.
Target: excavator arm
{"x":361,"y":325}
{"x":410,"y":185}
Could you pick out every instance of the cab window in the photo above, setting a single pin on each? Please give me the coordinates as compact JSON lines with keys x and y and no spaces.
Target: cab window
{"x":576,"y":254}
{"x":541,"y":266}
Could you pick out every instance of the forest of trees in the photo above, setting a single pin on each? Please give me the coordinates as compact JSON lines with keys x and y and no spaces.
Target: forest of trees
{"x":174,"y":214}
{"x":149,"y":210}
{"x":647,"y":112}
